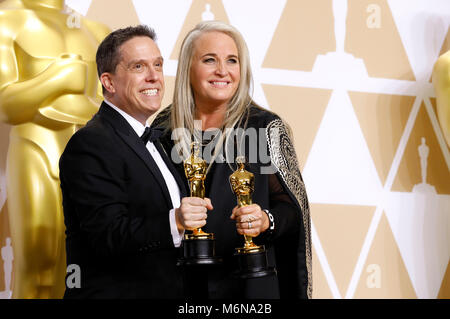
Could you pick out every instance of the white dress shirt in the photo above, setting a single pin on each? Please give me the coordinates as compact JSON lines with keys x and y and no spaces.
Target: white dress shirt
{"x":171,"y":184}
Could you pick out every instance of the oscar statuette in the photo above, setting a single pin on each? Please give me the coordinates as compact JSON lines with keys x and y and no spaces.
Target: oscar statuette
{"x":252,"y":259}
{"x":198,"y":246}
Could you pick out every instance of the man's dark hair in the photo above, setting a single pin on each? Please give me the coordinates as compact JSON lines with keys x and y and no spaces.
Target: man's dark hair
{"x":108,"y":52}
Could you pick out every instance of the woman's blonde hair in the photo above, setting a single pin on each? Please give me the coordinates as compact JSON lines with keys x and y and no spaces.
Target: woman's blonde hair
{"x":183,"y":106}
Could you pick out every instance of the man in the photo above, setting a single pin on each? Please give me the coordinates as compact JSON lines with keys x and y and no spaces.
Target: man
{"x":121,"y":195}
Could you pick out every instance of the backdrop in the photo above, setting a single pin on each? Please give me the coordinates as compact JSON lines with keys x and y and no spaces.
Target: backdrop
{"x":353,"y":80}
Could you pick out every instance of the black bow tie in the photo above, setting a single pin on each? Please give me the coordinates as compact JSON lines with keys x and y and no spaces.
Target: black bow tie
{"x":151,"y":134}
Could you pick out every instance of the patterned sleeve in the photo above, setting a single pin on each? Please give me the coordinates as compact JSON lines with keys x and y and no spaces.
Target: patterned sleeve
{"x":284,"y":158}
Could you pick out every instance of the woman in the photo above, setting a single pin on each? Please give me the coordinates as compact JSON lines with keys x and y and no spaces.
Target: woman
{"x":212,"y":105}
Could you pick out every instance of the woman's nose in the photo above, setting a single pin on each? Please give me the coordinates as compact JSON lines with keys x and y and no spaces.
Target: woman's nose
{"x":221,"y":69}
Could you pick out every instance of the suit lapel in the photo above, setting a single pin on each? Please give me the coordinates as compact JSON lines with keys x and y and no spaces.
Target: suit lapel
{"x":172,"y":169}
{"x":129,"y":136}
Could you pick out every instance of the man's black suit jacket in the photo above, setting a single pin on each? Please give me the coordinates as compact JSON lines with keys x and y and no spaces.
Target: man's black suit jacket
{"x":116,"y":212}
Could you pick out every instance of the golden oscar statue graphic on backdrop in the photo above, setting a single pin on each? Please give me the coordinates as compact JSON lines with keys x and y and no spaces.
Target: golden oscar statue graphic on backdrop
{"x":252,"y":259}
{"x":441,"y":82}
{"x":198,"y":246}
{"x":48,"y":89}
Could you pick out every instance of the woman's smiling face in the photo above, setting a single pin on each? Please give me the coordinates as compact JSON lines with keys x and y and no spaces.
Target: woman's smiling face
{"x":215,"y":69}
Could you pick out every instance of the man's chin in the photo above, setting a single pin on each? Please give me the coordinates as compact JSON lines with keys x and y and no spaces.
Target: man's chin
{"x":152,"y":106}
{"x":152,"y":109}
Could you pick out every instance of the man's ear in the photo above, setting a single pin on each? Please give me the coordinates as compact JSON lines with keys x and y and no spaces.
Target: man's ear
{"x":107,"y":82}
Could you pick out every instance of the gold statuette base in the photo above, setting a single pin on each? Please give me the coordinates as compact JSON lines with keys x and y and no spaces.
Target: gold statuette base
{"x":250,"y":249}
{"x":199,"y":234}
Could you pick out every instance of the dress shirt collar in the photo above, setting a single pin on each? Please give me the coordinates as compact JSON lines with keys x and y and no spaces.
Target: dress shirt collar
{"x":135,"y":124}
